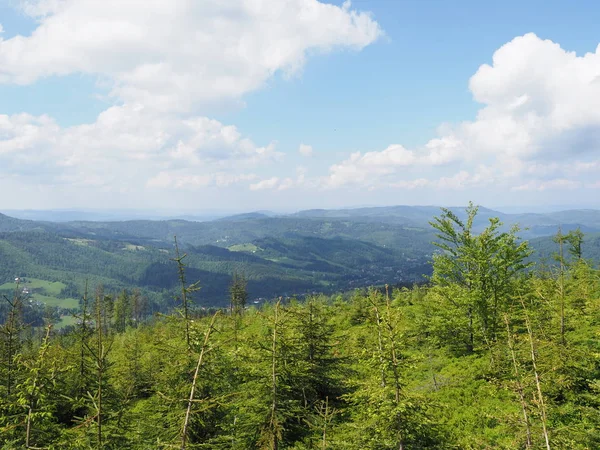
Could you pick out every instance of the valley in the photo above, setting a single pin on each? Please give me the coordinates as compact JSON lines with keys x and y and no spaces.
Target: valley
{"x":287,"y":255}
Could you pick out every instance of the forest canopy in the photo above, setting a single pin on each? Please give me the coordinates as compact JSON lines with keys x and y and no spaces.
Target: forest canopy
{"x":493,"y":352}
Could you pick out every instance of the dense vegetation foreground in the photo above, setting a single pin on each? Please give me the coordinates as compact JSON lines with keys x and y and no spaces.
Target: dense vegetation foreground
{"x":491,"y":354}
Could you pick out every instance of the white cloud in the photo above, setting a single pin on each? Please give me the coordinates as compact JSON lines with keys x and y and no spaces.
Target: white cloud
{"x":305,"y":150}
{"x":411,"y":184}
{"x":179,"y":55}
{"x":182,"y":180}
{"x":1,"y":29}
{"x":129,"y":146}
{"x":559,"y":183}
{"x":365,"y":169}
{"x":540,"y":119}
{"x":282,"y":184}
{"x":588,"y":166}
{"x":593,"y":185}
{"x":269,"y":183}
{"x":165,"y":65}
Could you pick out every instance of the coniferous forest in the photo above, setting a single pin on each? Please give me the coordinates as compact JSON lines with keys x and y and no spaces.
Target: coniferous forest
{"x":493,"y":352}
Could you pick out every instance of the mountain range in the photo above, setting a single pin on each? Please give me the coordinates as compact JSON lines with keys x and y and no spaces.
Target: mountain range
{"x":293,"y":254}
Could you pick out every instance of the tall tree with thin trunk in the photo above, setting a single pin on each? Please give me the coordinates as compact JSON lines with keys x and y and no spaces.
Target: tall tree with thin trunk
{"x":518,"y":382}
{"x":540,"y":397}
{"x":560,"y":239}
{"x":11,"y":337}
{"x":271,"y":430}
{"x":393,"y":335}
{"x":238,"y":294}
{"x":274,"y":427}
{"x":186,"y":290}
{"x":378,"y":322}
{"x":203,"y":351}
{"x":98,"y":347}
{"x":31,"y":388}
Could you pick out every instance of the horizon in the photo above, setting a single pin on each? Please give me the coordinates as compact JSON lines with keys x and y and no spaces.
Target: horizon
{"x":125,"y":214}
{"x":316,"y":104}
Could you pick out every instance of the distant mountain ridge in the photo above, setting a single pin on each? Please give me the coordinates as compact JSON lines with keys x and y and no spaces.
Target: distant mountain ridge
{"x":245,"y":225}
{"x":292,"y":254}
{"x":538,"y":224}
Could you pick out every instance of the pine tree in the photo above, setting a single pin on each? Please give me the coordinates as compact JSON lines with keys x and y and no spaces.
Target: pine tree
{"x":122,"y":312}
{"x":186,"y":290}
{"x":474,"y":275}
{"x":238,"y":294}
{"x":10,"y":333}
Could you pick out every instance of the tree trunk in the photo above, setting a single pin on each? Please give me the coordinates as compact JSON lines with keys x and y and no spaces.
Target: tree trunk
{"x":32,"y":401}
{"x":379,"y":338}
{"x":185,"y":290}
{"x":203,"y":351}
{"x":511,"y":347}
{"x":395,"y":364}
{"x":541,"y":405}
{"x":100,"y":367}
{"x":273,"y":423}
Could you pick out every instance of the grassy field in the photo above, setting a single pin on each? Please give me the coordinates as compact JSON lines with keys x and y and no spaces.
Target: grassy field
{"x":84,"y":242}
{"x":132,"y":247}
{"x":68,"y":303}
{"x":43,"y":291}
{"x":243,"y":248}
{"x":65,"y":321}
{"x":51,"y":288}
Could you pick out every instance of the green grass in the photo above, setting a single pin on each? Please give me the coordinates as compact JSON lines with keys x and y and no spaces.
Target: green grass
{"x":67,"y":303}
{"x":65,"y":321}
{"x":78,"y":241}
{"x":51,"y":288}
{"x":133,"y":247}
{"x":244,"y":248}
{"x":43,"y":291}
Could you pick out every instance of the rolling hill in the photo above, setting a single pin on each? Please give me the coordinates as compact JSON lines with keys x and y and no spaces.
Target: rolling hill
{"x":309,"y":251}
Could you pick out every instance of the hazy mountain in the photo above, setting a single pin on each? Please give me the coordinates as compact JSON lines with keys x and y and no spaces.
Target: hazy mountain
{"x":70,"y":215}
{"x":313,"y":250}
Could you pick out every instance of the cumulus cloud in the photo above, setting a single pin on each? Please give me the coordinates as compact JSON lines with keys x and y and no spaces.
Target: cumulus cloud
{"x":559,"y":183}
{"x":365,"y":169}
{"x":538,"y":126}
{"x":282,"y":184}
{"x":179,"y":55}
{"x":168,"y":63}
{"x":305,"y":150}
{"x":165,"y":65}
{"x":269,"y":183}
{"x":127,"y":146}
{"x":183,"y":180}
{"x":410,"y":184}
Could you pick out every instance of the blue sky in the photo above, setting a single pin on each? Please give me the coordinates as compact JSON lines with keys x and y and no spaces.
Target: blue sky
{"x":130,"y":106}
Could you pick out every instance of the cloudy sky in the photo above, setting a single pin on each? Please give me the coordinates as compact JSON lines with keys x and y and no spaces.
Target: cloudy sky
{"x":291,"y":104}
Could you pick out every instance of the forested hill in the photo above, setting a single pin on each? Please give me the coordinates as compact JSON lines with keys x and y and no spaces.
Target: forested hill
{"x":311,"y":251}
{"x":243,"y":226}
{"x":532,"y":224}
{"x":486,"y":356}
{"x":279,"y":256}
{"x":9,"y":224}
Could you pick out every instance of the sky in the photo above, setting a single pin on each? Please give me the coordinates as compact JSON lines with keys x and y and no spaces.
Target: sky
{"x":246,"y":105}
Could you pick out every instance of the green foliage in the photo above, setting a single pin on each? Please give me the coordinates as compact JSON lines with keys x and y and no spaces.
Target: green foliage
{"x":476,"y":275}
{"x":488,"y":355}
{"x":238,"y":292}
